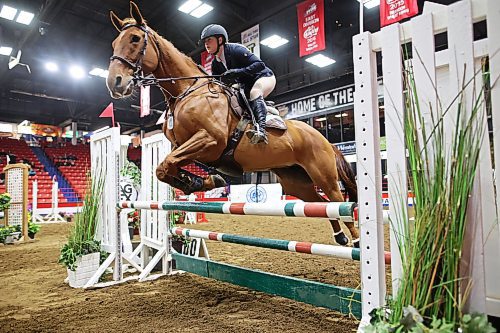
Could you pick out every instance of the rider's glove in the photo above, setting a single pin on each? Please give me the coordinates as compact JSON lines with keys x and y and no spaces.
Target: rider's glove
{"x":231,"y":76}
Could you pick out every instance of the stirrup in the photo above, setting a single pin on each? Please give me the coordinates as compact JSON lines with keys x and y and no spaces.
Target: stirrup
{"x":256,"y":136}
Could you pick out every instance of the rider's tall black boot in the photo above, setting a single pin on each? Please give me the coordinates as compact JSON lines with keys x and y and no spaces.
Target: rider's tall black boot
{"x":258,"y":134}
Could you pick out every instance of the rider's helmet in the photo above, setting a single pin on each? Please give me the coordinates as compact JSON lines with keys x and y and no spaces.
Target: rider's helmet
{"x":214,"y":30}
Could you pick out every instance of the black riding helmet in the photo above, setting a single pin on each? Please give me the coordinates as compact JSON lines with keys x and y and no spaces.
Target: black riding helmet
{"x":214,"y":30}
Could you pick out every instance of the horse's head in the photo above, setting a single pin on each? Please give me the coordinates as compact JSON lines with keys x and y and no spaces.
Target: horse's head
{"x":133,"y":51}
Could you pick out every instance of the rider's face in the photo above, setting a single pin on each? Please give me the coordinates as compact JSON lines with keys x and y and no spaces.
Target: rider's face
{"x":211,"y":44}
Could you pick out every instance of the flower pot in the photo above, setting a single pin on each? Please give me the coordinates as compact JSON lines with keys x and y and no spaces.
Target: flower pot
{"x":31,"y":235}
{"x":131,"y":232}
{"x":10,"y":239}
{"x":86,"y":266}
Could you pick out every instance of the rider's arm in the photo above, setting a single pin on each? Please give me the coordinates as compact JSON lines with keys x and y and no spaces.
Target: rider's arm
{"x":252,"y":63}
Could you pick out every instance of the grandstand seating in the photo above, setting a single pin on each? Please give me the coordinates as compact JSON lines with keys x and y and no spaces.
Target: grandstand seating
{"x":23,"y":153}
{"x":72,"y":161}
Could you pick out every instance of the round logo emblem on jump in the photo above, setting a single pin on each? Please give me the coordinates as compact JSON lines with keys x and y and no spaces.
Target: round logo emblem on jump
{"x":256,"y":194}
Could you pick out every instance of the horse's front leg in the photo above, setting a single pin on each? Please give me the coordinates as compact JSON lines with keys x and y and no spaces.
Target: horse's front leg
{"x":199,"y":147}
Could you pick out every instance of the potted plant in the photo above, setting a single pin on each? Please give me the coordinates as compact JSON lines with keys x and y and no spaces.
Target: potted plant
{"x":10,"y":234}
{"x":133,"y":222}
{"x":81,"y":255}
{"x":33,"y":229}
{"x":4,"y":201}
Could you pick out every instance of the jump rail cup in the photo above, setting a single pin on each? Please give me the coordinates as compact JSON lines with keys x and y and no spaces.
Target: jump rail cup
{"x":436,"y":74}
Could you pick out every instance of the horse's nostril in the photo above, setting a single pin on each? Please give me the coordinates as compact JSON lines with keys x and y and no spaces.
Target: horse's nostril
{"x":118,"y":81}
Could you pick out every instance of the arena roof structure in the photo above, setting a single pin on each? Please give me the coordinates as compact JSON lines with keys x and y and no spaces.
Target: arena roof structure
{"x":79,"y":33}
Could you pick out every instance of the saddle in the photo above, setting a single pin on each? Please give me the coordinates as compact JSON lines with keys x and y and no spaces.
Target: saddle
{"x":241,"y":109}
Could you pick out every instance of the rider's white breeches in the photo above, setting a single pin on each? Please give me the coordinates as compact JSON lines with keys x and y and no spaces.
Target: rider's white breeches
{"x":263,"y":87}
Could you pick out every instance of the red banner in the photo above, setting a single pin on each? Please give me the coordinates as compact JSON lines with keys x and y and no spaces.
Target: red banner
{"x":206,"y":61}
{"x":392,"y":11}
{"x":310,"y":15}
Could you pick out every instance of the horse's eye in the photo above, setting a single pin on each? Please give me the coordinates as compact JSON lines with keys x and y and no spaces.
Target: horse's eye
{"x":135,"y":39}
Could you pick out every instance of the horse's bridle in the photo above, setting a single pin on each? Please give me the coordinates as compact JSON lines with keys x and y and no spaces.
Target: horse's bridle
{"x":138,"y":76}
{"x":137,"y":67}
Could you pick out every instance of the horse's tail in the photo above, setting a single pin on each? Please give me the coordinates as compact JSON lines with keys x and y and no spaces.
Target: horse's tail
{"x":346,"y":175}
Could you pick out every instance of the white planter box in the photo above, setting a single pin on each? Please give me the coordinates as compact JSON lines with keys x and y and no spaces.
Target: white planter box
{"x":86,"y":266}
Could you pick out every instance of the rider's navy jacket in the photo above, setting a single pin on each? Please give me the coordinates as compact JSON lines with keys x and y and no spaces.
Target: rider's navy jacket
{"x":238,"y":56}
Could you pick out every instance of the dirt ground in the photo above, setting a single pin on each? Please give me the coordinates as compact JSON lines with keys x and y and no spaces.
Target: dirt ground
{"x":34,"y":297}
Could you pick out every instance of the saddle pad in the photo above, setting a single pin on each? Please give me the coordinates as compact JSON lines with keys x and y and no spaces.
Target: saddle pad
{"x":274,"y":121}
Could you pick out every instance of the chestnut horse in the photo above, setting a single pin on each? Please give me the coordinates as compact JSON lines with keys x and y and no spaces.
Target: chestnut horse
{"x":201,"y":124}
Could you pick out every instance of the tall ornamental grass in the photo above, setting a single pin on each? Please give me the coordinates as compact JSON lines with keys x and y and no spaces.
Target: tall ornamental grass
{"x":441,"y":178}
{"x":81,"y":239}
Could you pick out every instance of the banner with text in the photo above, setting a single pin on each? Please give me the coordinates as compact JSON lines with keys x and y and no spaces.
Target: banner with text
{"x":310,"y":16}
{"x":392,"y":11}
{"x":250,"y":38}
{"x":206,"y":61}
{"x":318,"y":102}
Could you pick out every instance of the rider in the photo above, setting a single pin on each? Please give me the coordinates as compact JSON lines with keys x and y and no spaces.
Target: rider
{"x":238,"y":65}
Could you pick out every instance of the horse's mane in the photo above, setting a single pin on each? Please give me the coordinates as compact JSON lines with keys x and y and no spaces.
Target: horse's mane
{"x":188,"y":60}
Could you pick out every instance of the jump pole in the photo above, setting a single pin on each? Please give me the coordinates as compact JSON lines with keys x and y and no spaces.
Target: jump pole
{"x":335,"y":251}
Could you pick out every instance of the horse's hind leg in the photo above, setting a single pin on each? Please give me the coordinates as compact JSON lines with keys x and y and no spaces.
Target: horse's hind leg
{"x":296,"y":182}
{"x":323,"y":172}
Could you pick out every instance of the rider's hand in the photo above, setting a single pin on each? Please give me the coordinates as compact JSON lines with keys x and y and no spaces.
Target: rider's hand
{"x":231,"y":76}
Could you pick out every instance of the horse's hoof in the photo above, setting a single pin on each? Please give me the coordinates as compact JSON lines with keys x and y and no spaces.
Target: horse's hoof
{"x":218,"y":181}
{"x":340,"y":238}
{"x":355,"y":243}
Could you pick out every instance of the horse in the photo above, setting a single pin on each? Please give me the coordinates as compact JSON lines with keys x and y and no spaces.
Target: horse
{"x":200,"y":124}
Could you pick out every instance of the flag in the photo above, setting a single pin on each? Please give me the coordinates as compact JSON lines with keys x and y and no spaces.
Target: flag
{"x":108,"y":113}
{"x":310,"y":16}
{"x":145,"y":99}
{"x":206,"y":61}
{"x":392,"y":11}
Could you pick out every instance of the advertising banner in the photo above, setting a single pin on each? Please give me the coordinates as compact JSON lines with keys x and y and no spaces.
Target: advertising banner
{"x":250,"y":38}
{"x":310,"y":16}
{"x":392,"y":11}
{"x":45,"y":130}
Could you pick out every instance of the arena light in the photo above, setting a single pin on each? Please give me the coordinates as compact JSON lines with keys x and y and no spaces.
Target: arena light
{"x":96,"y":71}
{"x":8,"y":12}
{"x":25,"y":17}
{"x":370,"y":3}
{"x":51,"y":67}
{"x":76,"y":72}
{"x":274,"y":41}
{"x":188,"y":6}
{"x":201,"y":11}
{"x":340,"y":115}
{"x":5,"y":50}
{"x":320,"y":60}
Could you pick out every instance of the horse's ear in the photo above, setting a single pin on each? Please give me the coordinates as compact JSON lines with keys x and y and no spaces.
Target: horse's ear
{"x":117,"y":22}
{"x":136,"y":13}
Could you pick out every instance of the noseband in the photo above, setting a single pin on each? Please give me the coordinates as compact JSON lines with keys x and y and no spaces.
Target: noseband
{"x":137,"y":66}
